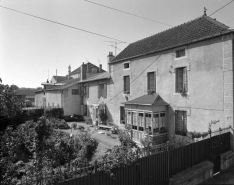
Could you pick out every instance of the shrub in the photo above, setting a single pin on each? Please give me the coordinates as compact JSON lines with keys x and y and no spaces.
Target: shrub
{"x":74,"y":126}
{"x":103,"y":116}
{"x":81,"y":128}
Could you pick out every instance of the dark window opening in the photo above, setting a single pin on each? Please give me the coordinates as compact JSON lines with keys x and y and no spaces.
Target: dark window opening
{"x":181,"y":79}
{"x":180,"y":53}
{"x":126,"y":65}
{"x":126,"y":84}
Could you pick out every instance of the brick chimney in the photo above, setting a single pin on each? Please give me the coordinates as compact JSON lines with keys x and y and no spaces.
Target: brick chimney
{"x":83,"y":69}
{"x":100,"y":68}
{"x":69,"y":72}
{"x":109,"y":59}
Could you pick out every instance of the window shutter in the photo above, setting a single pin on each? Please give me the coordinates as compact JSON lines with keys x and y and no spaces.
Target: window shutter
{"x":128,"y":84}
{"x":185,"y":87}
{"x":87,"y":91}
{"x":155,"y":82}
{"x":179,"y":79}
{"x":99,"y":91}
{"x":185,"y":121}
{"x":105,"y":90}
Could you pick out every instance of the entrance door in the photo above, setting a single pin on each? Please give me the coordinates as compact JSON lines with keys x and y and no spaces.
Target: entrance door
{"x":215,"y":152}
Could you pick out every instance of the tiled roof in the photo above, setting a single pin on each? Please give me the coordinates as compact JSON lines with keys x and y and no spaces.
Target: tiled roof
{"x":77,"y":70}
{"x":60,"y":78}
{"x":198,"y":29}
{"x":67,"y":84}
{"x":154,"y":99}
{"x":25,"y":92}
{"x":99,"y":76}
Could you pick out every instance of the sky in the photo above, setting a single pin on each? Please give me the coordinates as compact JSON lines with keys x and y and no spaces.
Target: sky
{"x":32,"y":49}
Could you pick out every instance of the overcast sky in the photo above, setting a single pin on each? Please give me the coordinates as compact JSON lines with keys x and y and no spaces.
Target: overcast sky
{"x":29,"y":46}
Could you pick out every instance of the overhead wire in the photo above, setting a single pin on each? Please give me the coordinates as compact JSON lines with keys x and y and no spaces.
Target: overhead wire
{"x":62,"y":24}
{"x":222,"y":7}
{"x":128,"y":13}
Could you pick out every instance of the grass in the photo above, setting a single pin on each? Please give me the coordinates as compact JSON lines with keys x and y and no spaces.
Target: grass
{"x":105,"y":142}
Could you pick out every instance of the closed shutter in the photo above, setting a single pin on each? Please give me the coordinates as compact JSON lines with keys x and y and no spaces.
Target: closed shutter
{"x":105,"y":91}
{"x":179,"y":79}
{"x":185,"y":121}
{"x":128,"y":84}
{"x":87,"y":91}
{"x":185,"y":79}
{"x":151,"y":81}
{"x":99,"y":91}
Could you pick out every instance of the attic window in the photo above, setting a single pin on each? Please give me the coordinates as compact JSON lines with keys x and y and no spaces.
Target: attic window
{"x":126,"y":65}
{"x":180,"y":53}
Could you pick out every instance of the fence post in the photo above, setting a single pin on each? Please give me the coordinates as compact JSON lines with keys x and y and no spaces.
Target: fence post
{"x":168,"y":158}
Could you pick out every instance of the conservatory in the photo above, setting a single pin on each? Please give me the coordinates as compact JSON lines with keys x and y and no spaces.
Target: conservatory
{"x":148,"y":117}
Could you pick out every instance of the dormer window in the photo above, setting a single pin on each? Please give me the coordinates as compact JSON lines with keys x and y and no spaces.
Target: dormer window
{"x":180,"y":53}
{"x":126,"y":65}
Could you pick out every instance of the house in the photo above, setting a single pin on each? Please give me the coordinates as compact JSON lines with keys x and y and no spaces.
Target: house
{"x":26,"y":96}
{"x":65,"y":92}
{"x":175,"y":81}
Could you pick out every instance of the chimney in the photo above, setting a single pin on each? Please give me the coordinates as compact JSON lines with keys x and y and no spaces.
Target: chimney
{"x":69,"y":71}
{"x":83,"y":69}
{"x":100,"y":68}
{"x":109,"y":59}
{"x":56,"y":77}
{"x":88,"y":67}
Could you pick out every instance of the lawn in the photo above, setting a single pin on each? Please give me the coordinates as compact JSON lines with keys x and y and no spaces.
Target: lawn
{"x":105,"y":142}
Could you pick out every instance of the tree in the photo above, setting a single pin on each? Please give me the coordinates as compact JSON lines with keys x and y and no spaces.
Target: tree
{"x":14,"y":87}
{"x":10,"y":107}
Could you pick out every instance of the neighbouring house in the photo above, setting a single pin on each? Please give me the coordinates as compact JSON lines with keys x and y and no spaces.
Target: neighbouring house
{"x":175,"y":81}
{"x":26,"y":96}
{"x":65,"y":92}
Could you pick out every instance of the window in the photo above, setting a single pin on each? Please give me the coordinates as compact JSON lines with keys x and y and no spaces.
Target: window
{"x":126,"y":84}
{"x":122,"y":114}
{"x":102,"y":90}
{"x":181,"y":122}
{"x":134,"y":118}
{"x":141,"y":121}
{"x":180,"y":53}
{"x":75,"y":91}
{"x":181,"y":79}
{"x":151,"y":82}
{"x":129,"y":118}
{"x":86,"y":91}
{"x":159,"y":123}
{"x":148,"y":121}
{"x":126,"y":65}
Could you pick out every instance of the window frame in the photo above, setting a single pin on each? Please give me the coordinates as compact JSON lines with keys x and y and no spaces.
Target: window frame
{"x":102,"y":93}
{"x":124,"y":65}
{"x":73,"y":92}
{"x":148,"y":83}
{"x":184,"y":84}
{"x":125,"y":89}
{"x":183,"y":131}
{"x":178,"y":51}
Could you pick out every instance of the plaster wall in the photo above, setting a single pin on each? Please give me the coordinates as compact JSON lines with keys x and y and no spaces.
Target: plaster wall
{"x":53,"y":98}
{"x":39,"y":99}
{"x":71,"y":103}
{"x":204,"y":62}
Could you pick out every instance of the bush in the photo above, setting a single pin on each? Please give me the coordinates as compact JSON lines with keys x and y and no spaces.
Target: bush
{"x":74,"y":126}
{"x":81,"y":128}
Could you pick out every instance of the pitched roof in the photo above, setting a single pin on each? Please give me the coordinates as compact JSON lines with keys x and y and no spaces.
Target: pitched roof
{"x":60,"y":78}
{"x":22,"y":92}
{"x":99,"y":76}
{"x":67,"y":84}
{"x":147,"y":99}
{"x":198,"y":29}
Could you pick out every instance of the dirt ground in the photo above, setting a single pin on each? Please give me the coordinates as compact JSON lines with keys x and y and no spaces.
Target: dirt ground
{"x":105,"y":142}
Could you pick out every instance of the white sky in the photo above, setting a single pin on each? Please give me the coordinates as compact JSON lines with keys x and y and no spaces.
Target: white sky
{"x":29,"y":46}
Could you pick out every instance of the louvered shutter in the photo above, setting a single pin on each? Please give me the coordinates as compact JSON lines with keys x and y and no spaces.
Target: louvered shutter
{"x":151,"y":81}
{"x":185,"y":121}
{"x":99,"y":91}
{"x":179,"y":79}
{"x":128,"y":84}
{"x":185,"y":87}
{"x":105,"y":91}
{"x":87,"y":91}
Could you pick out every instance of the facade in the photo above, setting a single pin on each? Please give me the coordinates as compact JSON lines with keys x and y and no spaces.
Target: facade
{"x":189,"y":67}
{"x":26,"y":96}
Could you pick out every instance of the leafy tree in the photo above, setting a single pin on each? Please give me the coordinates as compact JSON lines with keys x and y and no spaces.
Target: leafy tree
{"x":10,"y":107}
{"x":14,"y":87}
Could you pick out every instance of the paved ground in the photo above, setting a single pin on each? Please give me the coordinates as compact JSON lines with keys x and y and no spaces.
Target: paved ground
{"x":105,"y":142}
{"x":226,"y":177}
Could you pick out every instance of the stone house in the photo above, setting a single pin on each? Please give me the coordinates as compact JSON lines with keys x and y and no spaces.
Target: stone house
{"x":175,"y":81}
